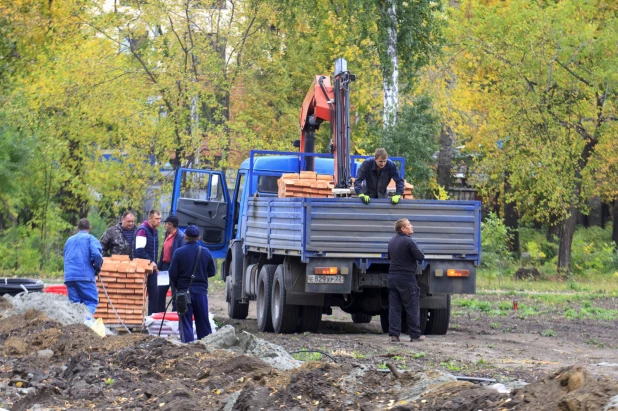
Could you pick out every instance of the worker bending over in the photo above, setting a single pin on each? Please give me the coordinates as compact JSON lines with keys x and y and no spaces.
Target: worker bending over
{"x":374,"y":175}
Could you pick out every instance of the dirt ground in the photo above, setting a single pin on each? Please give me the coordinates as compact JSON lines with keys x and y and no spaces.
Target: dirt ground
{"x":44,"y":365}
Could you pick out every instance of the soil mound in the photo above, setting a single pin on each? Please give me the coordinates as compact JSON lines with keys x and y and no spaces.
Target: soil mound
{"x":528,"y":274}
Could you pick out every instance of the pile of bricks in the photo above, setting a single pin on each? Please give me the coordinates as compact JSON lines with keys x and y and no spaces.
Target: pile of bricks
{"x":306,"y":184}
{"x":311,"y":184}
{"x":125,"y":282}
{"x":407,"y":189}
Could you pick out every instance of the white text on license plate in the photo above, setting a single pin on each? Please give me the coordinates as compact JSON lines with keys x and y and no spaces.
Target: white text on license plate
{"x":326,"y":279}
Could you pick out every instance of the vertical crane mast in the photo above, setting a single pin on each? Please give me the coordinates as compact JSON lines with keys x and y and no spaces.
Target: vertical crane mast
{"x":324,"y":102}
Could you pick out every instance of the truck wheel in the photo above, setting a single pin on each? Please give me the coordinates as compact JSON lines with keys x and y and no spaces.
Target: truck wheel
{"x":384,"y":321}
{"x":284,"y":315}
{"x":235,"y":308}
{"x":264,"y":295}
{"x":385,"y":324}
{"x":439,"y":318}
{"x":310,"y":317}
{"x":361,"y":318}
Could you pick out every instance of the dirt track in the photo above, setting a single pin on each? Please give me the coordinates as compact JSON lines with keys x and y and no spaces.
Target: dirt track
{"x":471,"y":347}
{"x":142,"y":372}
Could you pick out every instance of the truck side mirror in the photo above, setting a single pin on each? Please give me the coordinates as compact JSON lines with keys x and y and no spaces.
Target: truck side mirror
{"x":296,"y":143}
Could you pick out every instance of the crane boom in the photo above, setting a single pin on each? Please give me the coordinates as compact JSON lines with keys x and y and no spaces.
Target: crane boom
{"x":325,"y":102}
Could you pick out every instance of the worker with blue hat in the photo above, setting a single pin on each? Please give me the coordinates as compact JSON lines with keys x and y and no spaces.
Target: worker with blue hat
{"x":192,"y":265}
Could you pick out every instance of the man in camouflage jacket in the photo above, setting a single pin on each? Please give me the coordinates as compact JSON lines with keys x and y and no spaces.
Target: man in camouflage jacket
{"x":119,"y":238}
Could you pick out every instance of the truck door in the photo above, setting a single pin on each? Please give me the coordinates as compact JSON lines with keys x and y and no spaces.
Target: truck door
{"x":201,"y":198}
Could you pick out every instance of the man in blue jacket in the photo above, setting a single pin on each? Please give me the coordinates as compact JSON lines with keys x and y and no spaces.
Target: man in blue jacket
{"x":182,"y":268}
{"x":82,"y":261}
{"x":174,"y":239}
{"x":147,"y":247}
{"x":376,"y":173}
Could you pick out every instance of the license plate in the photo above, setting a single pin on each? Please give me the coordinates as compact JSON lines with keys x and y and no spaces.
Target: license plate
{"x":325,"y":279}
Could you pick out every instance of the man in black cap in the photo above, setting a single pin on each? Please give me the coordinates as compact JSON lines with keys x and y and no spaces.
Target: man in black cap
{"x":191,"y":267}
{"x":174,"y":239}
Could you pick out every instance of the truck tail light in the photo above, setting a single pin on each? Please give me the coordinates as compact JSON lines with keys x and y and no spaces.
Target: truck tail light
{"x":326,"y":270}
{"x":457,"y":273}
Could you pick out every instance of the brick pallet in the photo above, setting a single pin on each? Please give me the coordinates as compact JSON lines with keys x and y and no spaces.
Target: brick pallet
{"x":125,"y":282}
{"x":311,"y":184}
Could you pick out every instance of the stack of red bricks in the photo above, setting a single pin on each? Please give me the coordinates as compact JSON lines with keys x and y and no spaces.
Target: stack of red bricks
{"x":407,"y":189}
{"x":306,"y":184}
{"x":125,"y":282}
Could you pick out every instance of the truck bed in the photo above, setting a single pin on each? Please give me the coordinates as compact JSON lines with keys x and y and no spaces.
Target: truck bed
{"x":344,"y":226}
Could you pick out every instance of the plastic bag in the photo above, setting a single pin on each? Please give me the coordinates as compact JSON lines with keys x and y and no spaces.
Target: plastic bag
{"x":97,"y":326}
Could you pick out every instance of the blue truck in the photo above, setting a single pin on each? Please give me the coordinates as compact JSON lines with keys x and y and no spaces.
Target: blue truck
{"x":299,"y":257}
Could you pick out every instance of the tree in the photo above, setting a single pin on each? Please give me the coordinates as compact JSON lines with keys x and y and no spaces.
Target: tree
{"x":546,"y":71}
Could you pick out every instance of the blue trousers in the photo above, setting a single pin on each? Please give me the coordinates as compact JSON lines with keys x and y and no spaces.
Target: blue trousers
{"x":163,"y":297}
{"x":199,"y":310}
{"x":403,"y":294}
{"x":83,"y":292}
{"x":153,"y":293}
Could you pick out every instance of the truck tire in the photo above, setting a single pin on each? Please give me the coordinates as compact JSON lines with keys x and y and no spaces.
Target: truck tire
{"x":439,"y":318}
{"x":361,"y":318}
{"x":310,"y":317}
{"x":235,"y":308}
{"x":384,"y":323}
{"x":284,"y":315}
{"x":264,"y":297}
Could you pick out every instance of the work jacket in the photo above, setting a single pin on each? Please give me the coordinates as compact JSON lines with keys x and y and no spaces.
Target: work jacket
{"x":376,"y":181}
{"x":182,"y":265}
{"x":82,"y":256}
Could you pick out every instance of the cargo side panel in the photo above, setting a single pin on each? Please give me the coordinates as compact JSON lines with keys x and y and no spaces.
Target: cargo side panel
{"x":274,"y":223}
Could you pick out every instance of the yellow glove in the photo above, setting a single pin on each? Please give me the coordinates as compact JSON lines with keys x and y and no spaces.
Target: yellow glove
{"x":364,"y":198}
{"x":395,"y":199}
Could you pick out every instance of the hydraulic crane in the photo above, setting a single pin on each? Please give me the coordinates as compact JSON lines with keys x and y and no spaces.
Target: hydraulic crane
{"x":325,"y":102}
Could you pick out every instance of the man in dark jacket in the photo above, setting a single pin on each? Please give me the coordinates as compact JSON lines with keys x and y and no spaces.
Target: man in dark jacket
{"x":403,"y":291}
{"x":118,"y":239}
{"x":174,"y":239}
{"x":376,"y":173}
{"x":181,"y":271}
{"x":147,"y":247}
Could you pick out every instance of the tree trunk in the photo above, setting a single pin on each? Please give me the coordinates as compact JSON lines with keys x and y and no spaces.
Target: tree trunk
{"x":511,"y":220}
{"x":615,"y":223}
{"x":594,"y":215}
{"x":553,"y":232}
{"x":567,"y":228}
{"x":445,"y":157}
{"x":391,"y":70}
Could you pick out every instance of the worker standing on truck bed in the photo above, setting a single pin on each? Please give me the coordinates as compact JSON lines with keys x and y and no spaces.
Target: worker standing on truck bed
{"x":192,"y":266}
{"x":376,"y":173}
{"x":118,"y":239}
{"x":82,"y":261}
{"x":403,"y":291}
{"x":147,"y":247}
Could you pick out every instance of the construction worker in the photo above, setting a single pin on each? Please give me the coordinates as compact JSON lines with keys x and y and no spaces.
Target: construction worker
{"x":147,"y":247}
{"x":118,"y":239}
{"x":403,"y":291}
{"x":187,"y":273}
{"x":376,"y":173}
{"x":174,"y":239}
{"x":82,"y":261}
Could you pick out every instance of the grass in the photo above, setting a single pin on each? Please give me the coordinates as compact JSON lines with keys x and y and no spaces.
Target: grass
{"x":604,"y":284}
{"x":450,"y":365}
{"x":548,"y":333}
{"x":418,"y":355}
{"x":307,"y":356}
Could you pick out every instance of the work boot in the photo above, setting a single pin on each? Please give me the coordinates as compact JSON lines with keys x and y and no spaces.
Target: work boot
{"x":394,"y":338}
{"x":421,"y":338}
